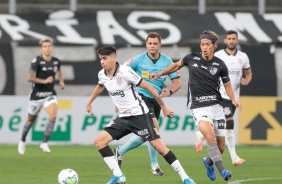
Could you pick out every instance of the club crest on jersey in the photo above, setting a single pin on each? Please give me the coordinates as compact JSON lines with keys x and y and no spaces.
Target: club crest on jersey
{"x":119,"y":80}
{"x":213,"y":70}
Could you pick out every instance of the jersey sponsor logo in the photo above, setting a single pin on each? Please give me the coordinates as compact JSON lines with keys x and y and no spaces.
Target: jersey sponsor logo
{"x":204,"y":67}
{"x":213,"y":70}
{"x":143,"y":132}
{"x":220,"y":124}
{"x":234,"y":72}
{"x":117,"y":93}
{"x":195,"y":65}
{"x":43,"y":94}
{"x":42,"y":62}
{"x":205,"y":98}
{"x":196,"y":58}
{"x":44,"y":69}
{"x":119,"y":80}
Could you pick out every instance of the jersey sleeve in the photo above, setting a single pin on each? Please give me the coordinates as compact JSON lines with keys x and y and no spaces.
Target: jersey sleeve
{"x":100,"y":81}
{"x":34,"y":65}
{"x":173,"y":75}
{"x":132,"y":63}
{"x":132,"y":77}
{"x":246,"y":65}
{"x":224,"y":73}
{"x":186,"y":59}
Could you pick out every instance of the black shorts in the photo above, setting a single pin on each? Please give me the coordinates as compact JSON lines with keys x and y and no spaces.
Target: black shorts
{"x":141,"y":125}
{"x":228,"y":107}
{"x":154,"y":107}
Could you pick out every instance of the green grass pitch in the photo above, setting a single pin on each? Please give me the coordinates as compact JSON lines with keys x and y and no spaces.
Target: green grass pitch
{"x":263,"y":165}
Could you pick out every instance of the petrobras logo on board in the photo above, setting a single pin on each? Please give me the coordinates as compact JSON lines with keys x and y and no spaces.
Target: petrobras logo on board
{"x":62,"y":129}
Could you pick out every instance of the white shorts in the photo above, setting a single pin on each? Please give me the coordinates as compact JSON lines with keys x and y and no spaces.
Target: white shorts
{"x":213,"y":114}
{"x":34,"y":106}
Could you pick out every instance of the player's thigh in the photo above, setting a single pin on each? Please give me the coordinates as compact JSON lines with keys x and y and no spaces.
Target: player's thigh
{"x":143,"y":126}
{"x":118,"y":128}
{"x":102,"y":139}
{"x":34,"y":107}
{"x":51,"y":106}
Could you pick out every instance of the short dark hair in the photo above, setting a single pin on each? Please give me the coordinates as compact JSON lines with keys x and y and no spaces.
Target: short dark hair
{"x":154,"y":35}
{"x":107,"y":50}
{"x":231,"y":32}
{"x":208,"y":34}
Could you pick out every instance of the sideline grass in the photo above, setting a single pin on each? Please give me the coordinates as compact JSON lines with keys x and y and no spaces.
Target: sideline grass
{"x":36,"y":167}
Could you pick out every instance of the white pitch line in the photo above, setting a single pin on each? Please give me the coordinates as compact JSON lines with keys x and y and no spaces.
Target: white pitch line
{"x":254,"y":179}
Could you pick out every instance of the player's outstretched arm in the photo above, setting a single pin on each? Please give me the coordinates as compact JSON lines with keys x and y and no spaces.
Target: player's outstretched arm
{"x":96,"y":92}
{"x":166,"y":111}
{"x":172,"y":68}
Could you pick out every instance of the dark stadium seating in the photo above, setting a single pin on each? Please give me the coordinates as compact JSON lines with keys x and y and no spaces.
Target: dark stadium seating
{"x":189,"y":5}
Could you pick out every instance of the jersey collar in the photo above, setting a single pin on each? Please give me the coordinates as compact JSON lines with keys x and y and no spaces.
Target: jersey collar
{"x":117,"y":67}
{"x":230,"y":54}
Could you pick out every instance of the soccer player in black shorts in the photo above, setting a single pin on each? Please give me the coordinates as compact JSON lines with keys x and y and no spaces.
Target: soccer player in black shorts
{"x":121,"y":81}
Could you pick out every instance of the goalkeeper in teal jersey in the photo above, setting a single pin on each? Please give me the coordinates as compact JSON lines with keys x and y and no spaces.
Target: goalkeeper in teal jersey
{"x":150,"y":62}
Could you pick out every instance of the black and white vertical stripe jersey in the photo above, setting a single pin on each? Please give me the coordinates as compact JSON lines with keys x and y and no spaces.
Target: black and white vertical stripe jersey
{"x":204,"y":80}
{"x":123,"y":91}
{"x":43,"y":70}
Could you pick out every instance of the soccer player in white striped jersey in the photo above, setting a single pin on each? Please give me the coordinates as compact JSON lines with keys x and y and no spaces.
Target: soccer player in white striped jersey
{"x":238,"y":64}
{"x":121,"y":81}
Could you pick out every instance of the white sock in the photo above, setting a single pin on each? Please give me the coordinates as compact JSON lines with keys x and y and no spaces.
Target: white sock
{"x":230,"y":141}
{"x":179,"y":169}
{"x":199,"y":136}
{"x":113,"y":165}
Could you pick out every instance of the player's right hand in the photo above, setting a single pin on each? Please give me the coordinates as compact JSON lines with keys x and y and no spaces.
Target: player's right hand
{"x":167,"y":112}
{"x":50,"y":79}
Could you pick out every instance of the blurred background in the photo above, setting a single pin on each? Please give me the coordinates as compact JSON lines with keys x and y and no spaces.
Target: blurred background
{"x":79,"y":28}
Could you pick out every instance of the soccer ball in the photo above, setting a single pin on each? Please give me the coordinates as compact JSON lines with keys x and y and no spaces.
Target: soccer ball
{"x":67,"y":176}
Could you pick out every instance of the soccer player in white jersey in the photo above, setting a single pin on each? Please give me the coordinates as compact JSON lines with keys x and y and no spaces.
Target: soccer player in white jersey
{"x":238,"y":64}
{"x":205,"y":72}
{"x":121,"y":81}
{"x":143,"y":64}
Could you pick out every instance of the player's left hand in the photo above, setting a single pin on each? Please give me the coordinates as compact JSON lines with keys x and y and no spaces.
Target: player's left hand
{"x":89,"y":109}
{"x":62,"y":85}
{"x":154,"y":76}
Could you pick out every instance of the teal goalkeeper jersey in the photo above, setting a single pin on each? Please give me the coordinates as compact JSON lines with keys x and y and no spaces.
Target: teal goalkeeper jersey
{"x":143,"y":65}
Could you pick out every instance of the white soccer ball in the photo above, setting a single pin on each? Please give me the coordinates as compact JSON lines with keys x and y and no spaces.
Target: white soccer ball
{"x":67,"y":176}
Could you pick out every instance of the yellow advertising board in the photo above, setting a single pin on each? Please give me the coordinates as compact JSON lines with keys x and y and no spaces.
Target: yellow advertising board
{"x":260,"y":120}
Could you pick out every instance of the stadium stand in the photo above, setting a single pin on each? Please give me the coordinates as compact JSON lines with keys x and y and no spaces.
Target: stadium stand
{"x":271,"y":6}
